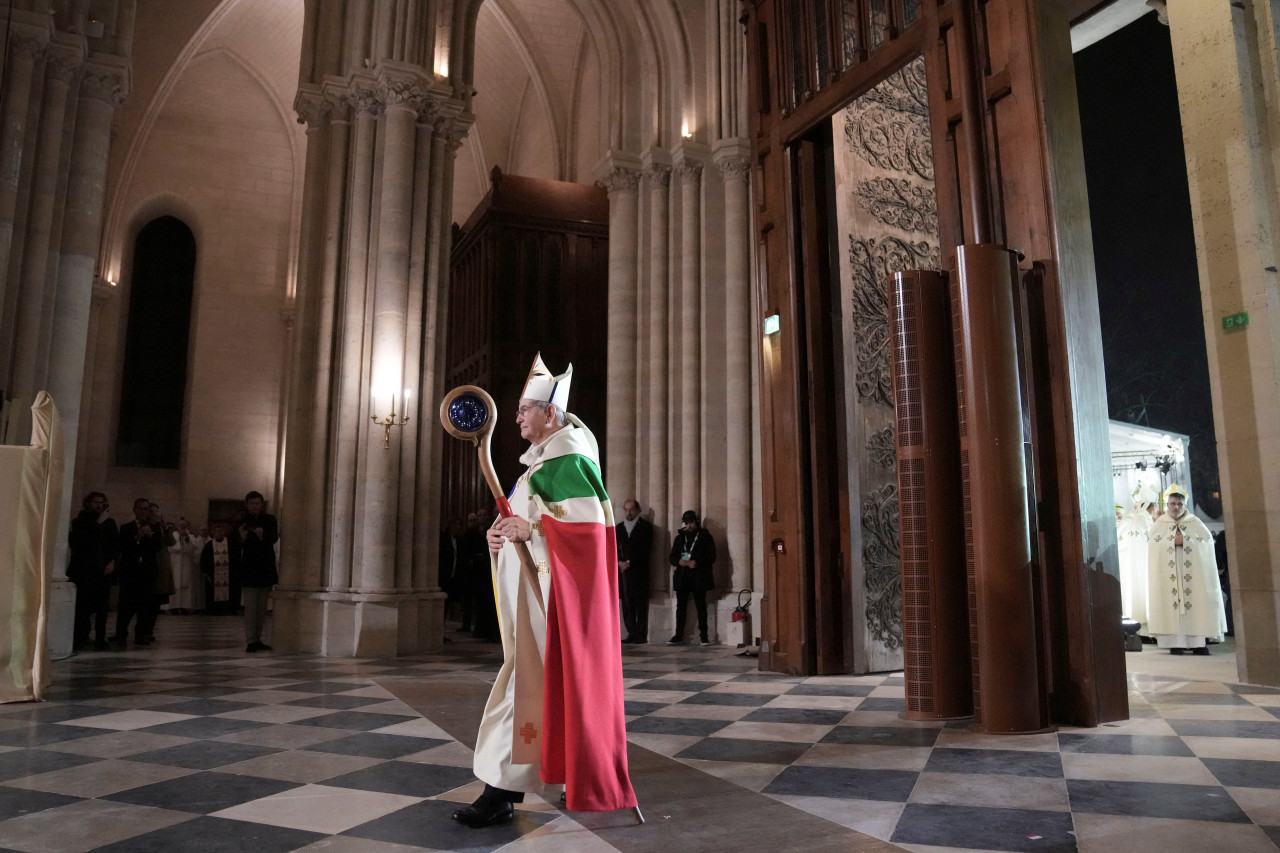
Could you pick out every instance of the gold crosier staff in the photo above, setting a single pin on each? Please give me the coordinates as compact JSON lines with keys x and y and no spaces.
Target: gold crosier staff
{"x":467,"y":412}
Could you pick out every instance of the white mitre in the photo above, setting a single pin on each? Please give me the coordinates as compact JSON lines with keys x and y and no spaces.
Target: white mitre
{"x":1145,"y":494}
{"x":545,"y":388}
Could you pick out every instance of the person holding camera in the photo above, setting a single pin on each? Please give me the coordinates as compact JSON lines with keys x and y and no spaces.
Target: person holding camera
{"x":693,"y":554}
{"x":137,"y":568}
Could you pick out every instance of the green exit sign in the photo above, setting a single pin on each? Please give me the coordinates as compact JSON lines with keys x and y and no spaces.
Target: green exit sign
{"x":1236,"y":321}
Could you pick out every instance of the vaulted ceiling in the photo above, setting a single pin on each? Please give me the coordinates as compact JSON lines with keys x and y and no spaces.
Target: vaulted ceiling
{"x":537,"y":101}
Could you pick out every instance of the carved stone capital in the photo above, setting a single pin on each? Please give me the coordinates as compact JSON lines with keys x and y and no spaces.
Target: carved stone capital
{"x":104,"y":84}
{"x":27,"y":45}
{"x":734,"y":168}
{"x":365,"y":99}
{"x":659,"y":175}
{"x":620,"y":179}
{"x":689,"y":171}
{"x":394,"y":93}
{"x":62,"y":63}
{"x":453,"y":132}
{"x":312,"y":107}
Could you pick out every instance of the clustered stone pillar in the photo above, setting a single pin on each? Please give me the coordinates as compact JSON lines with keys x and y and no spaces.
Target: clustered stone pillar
{"x":358,"y":499}
{"x":621,"y":179}
{"x":1225,"y":61}
{"x":731,"y":158}
{"x":657,"y":174}
{"x":59,"y":98}
{"x":689,"y":308}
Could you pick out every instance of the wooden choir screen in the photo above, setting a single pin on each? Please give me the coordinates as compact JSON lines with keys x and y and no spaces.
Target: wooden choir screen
{"x":526,"y":275}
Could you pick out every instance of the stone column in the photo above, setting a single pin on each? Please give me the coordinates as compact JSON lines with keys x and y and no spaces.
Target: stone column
{"x":731,"y":158}
{"x":1225,"y":60}
{"x":102,"y":88}
{"x":657,"y":173}
{"x":621,"y":177}
{"x":375,"y":216}
{"x":26,"y":44}
{"x":689,"y":169}
{"x":349,"y":425}
{"x":301,"y":545}
{"x":33,"y":301}
{"x":379,"y":509}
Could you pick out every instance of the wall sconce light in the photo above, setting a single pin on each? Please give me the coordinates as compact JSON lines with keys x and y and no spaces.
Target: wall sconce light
{"x":391,"y":419}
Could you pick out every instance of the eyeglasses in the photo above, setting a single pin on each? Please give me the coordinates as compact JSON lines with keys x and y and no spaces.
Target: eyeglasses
{"x":524,"y":410}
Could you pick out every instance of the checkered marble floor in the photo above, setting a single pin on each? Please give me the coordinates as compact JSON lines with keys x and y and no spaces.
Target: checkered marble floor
{"x":192,"y":745}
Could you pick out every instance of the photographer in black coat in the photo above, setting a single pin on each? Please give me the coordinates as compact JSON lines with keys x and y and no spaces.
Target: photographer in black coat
{"x":94,"y":542}
{"x":137,"y":567}
{"x":258,"y":535}
{"x":693,"y":554}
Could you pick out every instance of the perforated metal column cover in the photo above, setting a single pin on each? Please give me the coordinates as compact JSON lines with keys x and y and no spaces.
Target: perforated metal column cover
{"x":930,"y":524}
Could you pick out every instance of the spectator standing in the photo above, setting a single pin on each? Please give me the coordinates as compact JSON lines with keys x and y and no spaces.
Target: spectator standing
{"x":693,"y":553}
{"x":635,"y":544}
{"x":220,"y":571}
{"x":258,"y":535}
{"x":94,"y":539}
{"x":137,"y":566}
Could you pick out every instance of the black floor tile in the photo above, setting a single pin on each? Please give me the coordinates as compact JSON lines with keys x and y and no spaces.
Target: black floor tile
{"x":403,"y":777}
{"x":808,"y":716}
{"x":673,"y":684}
{"x":1005,"y":762}
{"x":725,"y":666}
{"x":844,"y":783}
{"x":52,"y":712}
{"x":831,"y":690}
{"x":1177,"y":698}
{"x":377,"y":745}
{"x":639,"y":709}
{"x":42,"y":734}
{"x":1124,"y":744}
{"x":15,"y":802}
{"x":676,"y":726}
{"x":1273,"y":832}
{"x":322,"y":686}
{"x":29,"y":762}
{"x":207,"y":707}
{"x":336,"y":702}
{"x":216,"y":835}
{"x":1255,"y":689}
{"x":1154,"y":799}
{"x":883,"y":735}
{"x":745,"y":750}
{"x":882,"y":703}
{"x":204,"y":754}
{"x":356,"y":721}
{"x":428,"y":824}
{"x":985,"y":828}
{"x":1240,"y":773}
{"x":1226,"y":728}
{"x":202,"y":691}
{"x":202,"y":793}
{"x":204,"y":727}
{"x":744,"y":699}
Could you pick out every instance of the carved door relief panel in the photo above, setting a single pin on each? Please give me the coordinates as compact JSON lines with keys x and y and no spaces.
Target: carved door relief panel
{"x":887,"y":220}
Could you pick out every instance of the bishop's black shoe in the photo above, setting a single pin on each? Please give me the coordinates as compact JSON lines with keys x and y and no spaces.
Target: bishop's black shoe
{"x":489,"y":809}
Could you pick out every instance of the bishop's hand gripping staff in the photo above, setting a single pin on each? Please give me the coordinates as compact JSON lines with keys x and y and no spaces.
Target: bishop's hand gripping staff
{"x":467,"y":412}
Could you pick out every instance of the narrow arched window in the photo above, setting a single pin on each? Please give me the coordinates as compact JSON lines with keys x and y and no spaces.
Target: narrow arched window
{"x":154,"y":382}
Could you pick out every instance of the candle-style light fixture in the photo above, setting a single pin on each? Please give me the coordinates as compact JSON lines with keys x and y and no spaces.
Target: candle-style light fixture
{"x":392,"y":419}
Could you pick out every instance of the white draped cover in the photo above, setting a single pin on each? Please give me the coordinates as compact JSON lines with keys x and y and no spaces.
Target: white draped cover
{"x":30,"y":494}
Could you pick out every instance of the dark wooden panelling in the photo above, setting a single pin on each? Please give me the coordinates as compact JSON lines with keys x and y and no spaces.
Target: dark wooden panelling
{"x":526,"y":274}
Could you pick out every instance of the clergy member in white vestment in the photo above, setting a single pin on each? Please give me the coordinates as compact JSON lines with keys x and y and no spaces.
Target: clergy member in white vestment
{"x":1132,"y":528}
{"x":1185,"y":606}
